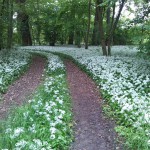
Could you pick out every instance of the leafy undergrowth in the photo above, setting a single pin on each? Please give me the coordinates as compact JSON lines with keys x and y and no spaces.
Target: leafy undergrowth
{"x":12,"y":65}
{"x":124,"y":80}
{"x":44,"y":123}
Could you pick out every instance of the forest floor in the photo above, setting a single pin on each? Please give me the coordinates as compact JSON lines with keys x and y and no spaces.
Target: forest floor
{"x":23,"y":87}
{"x":93,"y":131}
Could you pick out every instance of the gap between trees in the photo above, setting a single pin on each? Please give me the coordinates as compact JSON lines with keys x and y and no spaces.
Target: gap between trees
{"x":94,"y":22}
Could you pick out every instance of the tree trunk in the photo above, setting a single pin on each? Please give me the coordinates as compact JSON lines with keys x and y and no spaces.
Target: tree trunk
{"x":71,"y":38}
{"x":108,"y":41}
{"x":106,"y":37}
{"x":95,"y":38}
{"x":38,"y":34}
{"x":78,"y":39}
{"x":62,"y":39}
{"x":10,"y":24}
{"x":24,"y":29}
{"x":88,"y":28}
{"x":1,"y":24}
{"x":109,"y":47}
{"x":101,"y":27}
{"x":52,"y":38}
{"x":115,"y":22}
{"x":23,"y":21}
{"x":38,"y":23}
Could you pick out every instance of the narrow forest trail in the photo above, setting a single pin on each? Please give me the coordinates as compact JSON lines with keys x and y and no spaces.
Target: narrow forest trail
{"x":23,"y":87}
{"x":92,"y":130}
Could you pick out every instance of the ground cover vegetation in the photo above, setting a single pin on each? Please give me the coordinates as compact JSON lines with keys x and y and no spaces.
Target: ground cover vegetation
{"x":124,"y":80}
{"x":12,"y":64}
{"x":45,"y":121}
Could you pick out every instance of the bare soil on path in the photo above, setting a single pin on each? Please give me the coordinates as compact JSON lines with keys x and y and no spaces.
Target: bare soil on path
{"x":23,"y":87}
{"x":92,"y":130}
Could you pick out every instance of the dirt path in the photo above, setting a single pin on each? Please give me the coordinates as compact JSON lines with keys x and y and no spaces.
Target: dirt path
{"x":92,"y":130}
{"x":23,"y":87}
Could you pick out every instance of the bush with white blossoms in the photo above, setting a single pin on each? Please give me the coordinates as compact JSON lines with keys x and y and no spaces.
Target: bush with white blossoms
{"x":124,"y":80}
{"x":44,"y":123}
{"x":12,"y":65}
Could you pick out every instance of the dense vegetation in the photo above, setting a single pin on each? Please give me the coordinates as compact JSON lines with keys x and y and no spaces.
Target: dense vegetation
{"x":124,"y":78}
{"x":94,"y":22}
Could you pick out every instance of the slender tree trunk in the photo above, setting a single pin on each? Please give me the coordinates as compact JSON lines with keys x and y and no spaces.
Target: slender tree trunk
{"x":2,"y":8}
{"x":109,"y":47}
{"x":38,"y":23}
{"x":72,"y":27}
{"x":108,"y":42}
{"x":38,"y":34}
{"x":52,"y":38}
{"x":71,"y":38}
{"x":111,"y":26}
{"x":78,"y":39}
{"x":88,"y":28}
{"x":62,"y":39}
{"x":96,"y":29}
{"x":23,"y":20}
{"x":115,"y":21}
{"x":10,"y":24}
{"x":33,"y":36}
{"x":113,"y":16}
{"x":101,"y":27}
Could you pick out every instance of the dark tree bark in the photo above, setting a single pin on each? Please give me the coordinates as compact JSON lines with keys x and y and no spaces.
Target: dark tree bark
{"x":38,"y":24}
{"x":2,"y":8}
{"x":88,"y":28}
{"x":101,"y":27}
{"x":106,"y":36}
{"x":71,"y":15}
{"x":24,"y":29}
{"x":10,"y":24}
{"x":23,"y":22}
{"x":114,"y":26}
{"x":52,"y":38}
{"x":78,"y":39}
{"x":71,"y":38}
{"x":62,"y":39}
{"x":108,"y":42}
{"x":95,"y":35}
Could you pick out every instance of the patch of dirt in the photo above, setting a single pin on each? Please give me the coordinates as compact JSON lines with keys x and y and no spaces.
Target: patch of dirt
{"x":23,"y":87}
{"x":92,"y":130}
